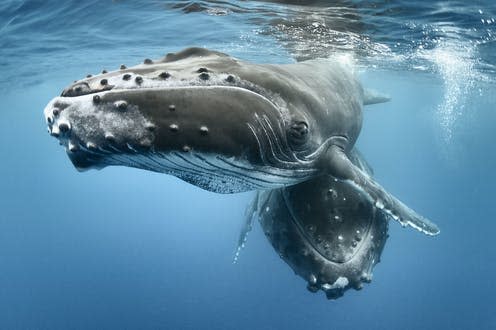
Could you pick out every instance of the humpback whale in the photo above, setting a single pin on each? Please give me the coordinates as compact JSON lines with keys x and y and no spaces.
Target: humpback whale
{"x":228,"y":126}
{"x":222,"y":124}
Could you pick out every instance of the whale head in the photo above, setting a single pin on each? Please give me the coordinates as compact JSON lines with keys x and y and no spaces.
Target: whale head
{"x":198,"y":115}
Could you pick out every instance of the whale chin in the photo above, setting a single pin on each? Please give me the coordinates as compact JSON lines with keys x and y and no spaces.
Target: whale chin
{"x":84,"y":162}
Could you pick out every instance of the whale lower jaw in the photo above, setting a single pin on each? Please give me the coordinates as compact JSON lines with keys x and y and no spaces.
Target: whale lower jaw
{"x":214,"y":173}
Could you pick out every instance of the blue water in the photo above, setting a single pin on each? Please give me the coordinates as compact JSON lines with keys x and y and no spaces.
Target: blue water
{"x":128,"y":249}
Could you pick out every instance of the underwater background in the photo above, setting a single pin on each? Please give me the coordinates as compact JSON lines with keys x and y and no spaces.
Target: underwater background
{"x":128,"y":249}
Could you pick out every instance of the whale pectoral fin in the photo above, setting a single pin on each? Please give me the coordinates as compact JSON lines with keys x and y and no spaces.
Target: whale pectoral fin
{"x":342,"y":168}
{"x":357,"y":159}
{"x":371,"y":96}
{"x":250,"y":214}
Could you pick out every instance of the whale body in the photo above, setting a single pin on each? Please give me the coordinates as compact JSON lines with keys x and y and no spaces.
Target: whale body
{"x":227,"y":126}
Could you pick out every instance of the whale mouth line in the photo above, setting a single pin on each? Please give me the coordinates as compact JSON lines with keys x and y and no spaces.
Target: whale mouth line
{"x":178,"y":87}
{"x":273,"y":99}
{"x":135,"y":81}
{"x":165,"y":88}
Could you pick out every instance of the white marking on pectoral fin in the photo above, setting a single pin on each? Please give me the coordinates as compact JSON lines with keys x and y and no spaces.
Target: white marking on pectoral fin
{"x":250,"y":214}
{"x":410,"y":218}
{"x":342,"y":168}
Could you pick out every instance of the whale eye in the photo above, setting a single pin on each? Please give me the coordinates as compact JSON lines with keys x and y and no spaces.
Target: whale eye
{"x":298,"y":134}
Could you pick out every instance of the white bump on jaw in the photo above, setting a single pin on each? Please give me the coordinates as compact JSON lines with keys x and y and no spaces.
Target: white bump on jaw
{"x":120,"y":105}
{"x":91,"y":146}
{"x":64,"y":125}
{"x":340,"y":283}
{"x":55,"y":130}
{"x":72,"y":147}
{"x":109,"y":137}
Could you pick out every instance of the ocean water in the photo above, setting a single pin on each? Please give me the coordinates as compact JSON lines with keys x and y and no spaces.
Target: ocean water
{"x":128,"y":249}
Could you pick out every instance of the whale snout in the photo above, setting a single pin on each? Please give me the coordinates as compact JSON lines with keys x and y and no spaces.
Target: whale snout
{"x":56,"y":126}
{"x":60,"y":124}
{"x":95,"y":131}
